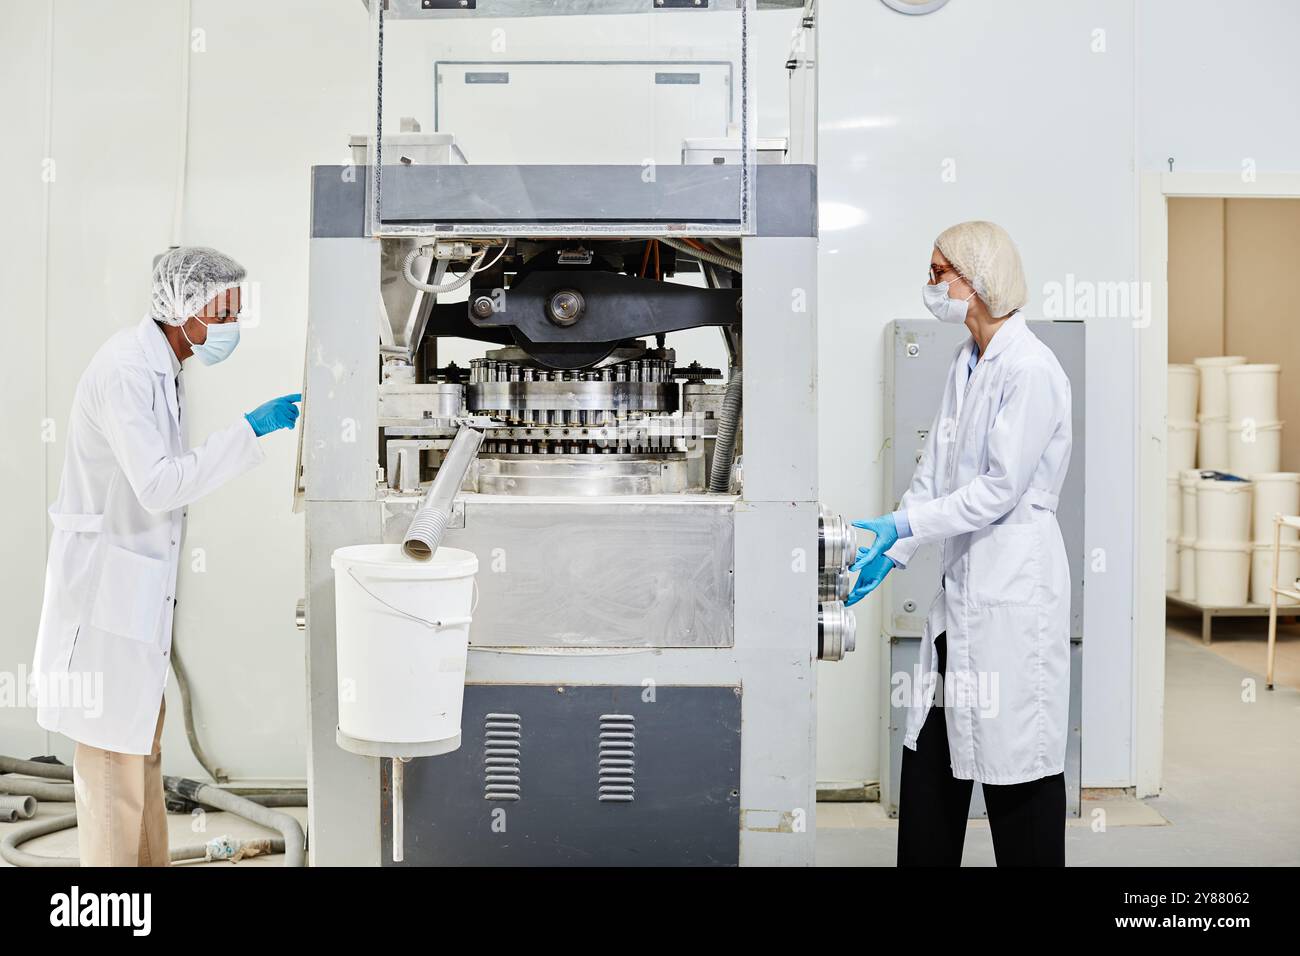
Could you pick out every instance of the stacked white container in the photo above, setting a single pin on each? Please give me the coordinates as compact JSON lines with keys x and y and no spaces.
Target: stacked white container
{"x":1173,"y":531}
{"x":1275,"y":493}
{"x":1254,"y":431}
{"x":1187,"y":482}
{"x":1184,"y":383}
{"x":1220,"y":535}
{"x":1223,"y":538}
{"x":1213,"y":411}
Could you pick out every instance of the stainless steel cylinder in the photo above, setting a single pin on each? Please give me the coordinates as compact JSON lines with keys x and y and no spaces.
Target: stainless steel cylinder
{"x":426,"y":530}
{"x":836,"y":631}
{"x":835,"y":542}
{"x":834,"y":585}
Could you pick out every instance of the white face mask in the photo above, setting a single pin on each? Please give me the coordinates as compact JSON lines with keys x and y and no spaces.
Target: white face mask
{"x":941,"y":306}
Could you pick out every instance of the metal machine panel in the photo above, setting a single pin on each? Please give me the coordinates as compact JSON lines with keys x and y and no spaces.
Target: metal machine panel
{"x":780,"y":370}
{"x":528,"y":785}
{"x":921,"y":352}
{"x":340,"y":453}
{"x":787,"y":195}
{"x":632,"y":571}
{"x":531,"y":8}
{"x":904,"y":654}
{"x":407,"y":40}
{"x":343,"y":812}
{"x":776,"y":643}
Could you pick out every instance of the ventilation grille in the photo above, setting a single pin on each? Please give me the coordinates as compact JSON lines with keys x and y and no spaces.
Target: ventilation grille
{"x":617,"y":779}
{"x":501,"y":739}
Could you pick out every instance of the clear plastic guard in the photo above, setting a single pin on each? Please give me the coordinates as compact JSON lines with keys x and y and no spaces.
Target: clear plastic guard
{"x":518,"y":117}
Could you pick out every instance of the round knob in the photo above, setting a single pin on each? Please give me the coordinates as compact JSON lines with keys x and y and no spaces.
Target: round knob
{"x":566,"y":307}
{"x":483,"y":306}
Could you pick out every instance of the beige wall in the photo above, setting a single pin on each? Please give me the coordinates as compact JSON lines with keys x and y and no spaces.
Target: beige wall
{"x":1195,"y":279}
{"x":1230,"y":263}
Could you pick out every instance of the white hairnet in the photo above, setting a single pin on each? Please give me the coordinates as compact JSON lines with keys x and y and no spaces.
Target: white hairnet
{"x":985,"y":256}
{"x":187,"y":278}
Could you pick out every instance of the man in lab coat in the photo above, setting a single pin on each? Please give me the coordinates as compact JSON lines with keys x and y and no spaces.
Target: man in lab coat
{"x":995,"y":650}
{"x":110,"y":584}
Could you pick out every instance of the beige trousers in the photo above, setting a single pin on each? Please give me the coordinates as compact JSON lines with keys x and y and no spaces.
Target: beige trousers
{"x":121,"y":818}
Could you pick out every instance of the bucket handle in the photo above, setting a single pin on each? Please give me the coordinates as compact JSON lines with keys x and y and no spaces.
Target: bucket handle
{"x":434,"y":625}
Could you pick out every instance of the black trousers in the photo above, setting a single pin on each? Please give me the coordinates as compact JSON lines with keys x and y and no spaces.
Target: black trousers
{"x":1027,"y":819}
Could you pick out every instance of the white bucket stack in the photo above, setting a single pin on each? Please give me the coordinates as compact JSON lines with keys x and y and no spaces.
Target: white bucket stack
{"x":1184,"y":385}
{"x":1213,"y":410}
{"x":1182,"y":445}
{"x":1184,"y":382}
{"x":1173,"y":530}
{"x":1275,"y":493}
{"x":1186,"y":543}
{"x":1223,"y":417}
{"x":1222,"y":542}
{"x":1254,"y":430}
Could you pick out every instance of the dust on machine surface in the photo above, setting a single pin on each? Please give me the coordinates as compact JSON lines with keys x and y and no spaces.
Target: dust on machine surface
{"x":565,"y":597}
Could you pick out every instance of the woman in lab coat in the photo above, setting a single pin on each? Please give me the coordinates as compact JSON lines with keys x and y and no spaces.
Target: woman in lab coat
{"x":998,"y":632}
{"x":128,"y":476}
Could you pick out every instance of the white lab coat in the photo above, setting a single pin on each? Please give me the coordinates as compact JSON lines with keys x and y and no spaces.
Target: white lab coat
{"x":110,"y":582}
{"x":987,"y":487}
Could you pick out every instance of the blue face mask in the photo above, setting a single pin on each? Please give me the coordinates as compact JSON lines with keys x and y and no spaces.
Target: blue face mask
{"x":221,"y":341}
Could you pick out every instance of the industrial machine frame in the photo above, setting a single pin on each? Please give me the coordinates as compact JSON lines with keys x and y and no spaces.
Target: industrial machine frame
{"x":716,"y":670}
{"x":656,"y":578}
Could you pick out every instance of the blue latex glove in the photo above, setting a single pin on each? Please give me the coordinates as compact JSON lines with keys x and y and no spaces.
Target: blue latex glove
{"x":276,"y":414}
{"x":870,"y":574}
{"x":886,"y":531}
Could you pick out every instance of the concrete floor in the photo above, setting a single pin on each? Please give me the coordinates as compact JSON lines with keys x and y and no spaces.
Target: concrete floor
{"x":1231,"y":775}
{"x":1244,"y":642}
{"x":1232,"y":780}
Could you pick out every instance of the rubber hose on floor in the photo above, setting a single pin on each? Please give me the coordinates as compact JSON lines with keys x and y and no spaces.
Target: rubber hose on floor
{"x":206,"y":794}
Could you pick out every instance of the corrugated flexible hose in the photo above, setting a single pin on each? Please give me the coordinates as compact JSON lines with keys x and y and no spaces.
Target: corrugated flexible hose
{"x":291,"y":837}
{"x":724,"y":449}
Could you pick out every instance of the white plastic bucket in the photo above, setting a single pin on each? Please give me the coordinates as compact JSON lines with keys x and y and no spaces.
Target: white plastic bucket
{"x":1212,"y":443}
{"x":1252,"y":392}
{"x":1171,"y":565}
{"x":1182,"y":445}
{"x":1214,"y":384}
{"x":1276,"y":493}
{"x":1184,"y":384}
{"x":1261,"y":572}
{"x":1223,"y":511}
{"x":402,"y":641}
{"x":1187,"y":569}
{"x":1254,"y":448}
{"x":1187,"y":481}
{"x":1222,"y":574}
{"x":1173,"y":507}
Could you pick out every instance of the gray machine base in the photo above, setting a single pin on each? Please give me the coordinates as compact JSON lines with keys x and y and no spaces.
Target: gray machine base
{"x":685,"y":810}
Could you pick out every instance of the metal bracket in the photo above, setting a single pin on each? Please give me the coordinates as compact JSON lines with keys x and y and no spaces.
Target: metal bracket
{"x":616,"y":307}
